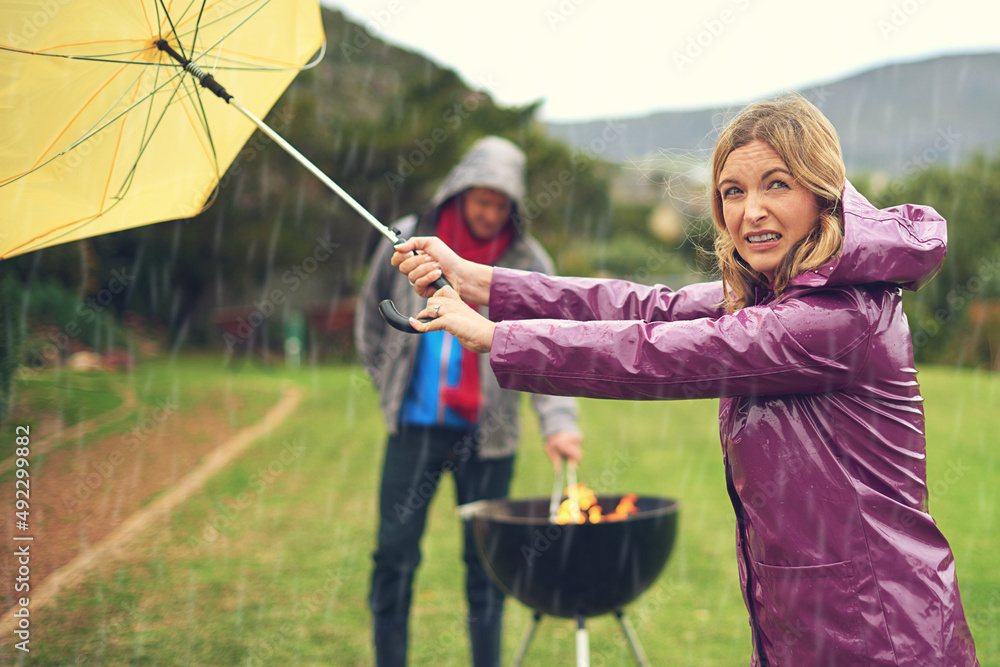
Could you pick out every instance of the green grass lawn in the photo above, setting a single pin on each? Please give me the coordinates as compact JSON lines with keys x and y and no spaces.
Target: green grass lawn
{"x":269,"y":564}
{"x":72,"y":397}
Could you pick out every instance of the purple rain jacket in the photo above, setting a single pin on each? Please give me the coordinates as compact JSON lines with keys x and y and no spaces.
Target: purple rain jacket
{"x":821,"y":423}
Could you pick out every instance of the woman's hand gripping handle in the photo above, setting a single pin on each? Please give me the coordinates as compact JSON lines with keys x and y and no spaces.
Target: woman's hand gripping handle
{"x":391,"y":314}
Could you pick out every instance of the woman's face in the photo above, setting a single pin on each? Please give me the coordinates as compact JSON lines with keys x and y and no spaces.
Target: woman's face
{"x":765,"y":209}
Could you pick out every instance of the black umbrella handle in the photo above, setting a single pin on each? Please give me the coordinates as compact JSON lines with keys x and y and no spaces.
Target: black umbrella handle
{"x":392,"y":316}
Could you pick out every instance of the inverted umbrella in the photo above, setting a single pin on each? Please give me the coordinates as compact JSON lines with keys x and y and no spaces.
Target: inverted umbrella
{"x":102,"y":128}
{"x":105,"y":124}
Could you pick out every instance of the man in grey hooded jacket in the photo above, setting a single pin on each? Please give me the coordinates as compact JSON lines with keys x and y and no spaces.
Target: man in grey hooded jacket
{"x":443,"y":407}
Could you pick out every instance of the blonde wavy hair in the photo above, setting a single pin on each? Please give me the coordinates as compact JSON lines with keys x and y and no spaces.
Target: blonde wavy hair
{"x":808,"y":143}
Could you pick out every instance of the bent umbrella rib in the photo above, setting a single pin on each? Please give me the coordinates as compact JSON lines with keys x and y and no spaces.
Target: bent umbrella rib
{"x":92,"y":132}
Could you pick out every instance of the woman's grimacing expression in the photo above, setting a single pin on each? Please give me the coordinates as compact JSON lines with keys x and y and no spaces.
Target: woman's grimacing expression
{"x":766,"y":210}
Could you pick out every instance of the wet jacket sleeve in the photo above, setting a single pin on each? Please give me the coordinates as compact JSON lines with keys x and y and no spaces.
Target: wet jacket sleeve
{"x":516,"y":295}
{"x":811,"y":344}
{"x":556,"y":414}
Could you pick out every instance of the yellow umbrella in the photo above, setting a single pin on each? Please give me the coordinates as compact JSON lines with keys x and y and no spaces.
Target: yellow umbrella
{"x":106,"y":128}
{"x":101,"y":126}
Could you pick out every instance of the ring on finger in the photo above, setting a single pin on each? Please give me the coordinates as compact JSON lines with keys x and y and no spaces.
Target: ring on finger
{"x":437,"y":307}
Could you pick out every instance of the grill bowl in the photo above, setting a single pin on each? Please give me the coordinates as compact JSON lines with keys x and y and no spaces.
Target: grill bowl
{"x":574,"y":570}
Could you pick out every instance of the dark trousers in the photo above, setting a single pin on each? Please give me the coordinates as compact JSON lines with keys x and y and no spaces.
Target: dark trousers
{"x":415,"y":461}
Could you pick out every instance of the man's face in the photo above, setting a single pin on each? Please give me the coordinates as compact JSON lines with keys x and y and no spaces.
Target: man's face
{"x":486,"y":212}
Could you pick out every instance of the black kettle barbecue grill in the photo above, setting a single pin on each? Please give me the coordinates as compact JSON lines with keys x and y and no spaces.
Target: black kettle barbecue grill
{"x":574,"y":570}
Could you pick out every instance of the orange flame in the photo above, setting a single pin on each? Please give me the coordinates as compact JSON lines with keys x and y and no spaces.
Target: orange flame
{"x":589,"y":510}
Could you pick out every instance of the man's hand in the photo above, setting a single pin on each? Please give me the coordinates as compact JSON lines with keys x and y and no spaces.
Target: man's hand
{"x":568,"y":444}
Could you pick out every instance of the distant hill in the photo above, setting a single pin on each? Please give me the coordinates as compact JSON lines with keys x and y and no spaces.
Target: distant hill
{"x":890,"y":119}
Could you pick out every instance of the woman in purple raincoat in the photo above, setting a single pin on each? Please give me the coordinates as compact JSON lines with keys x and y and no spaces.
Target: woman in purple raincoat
{"x":805,"y":341}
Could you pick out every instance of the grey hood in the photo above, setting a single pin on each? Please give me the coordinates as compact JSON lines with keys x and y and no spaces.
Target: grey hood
{"x":492,"y":162}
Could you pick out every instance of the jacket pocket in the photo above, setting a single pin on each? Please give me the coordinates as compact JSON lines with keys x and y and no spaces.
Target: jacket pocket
{"x":810,"y":615}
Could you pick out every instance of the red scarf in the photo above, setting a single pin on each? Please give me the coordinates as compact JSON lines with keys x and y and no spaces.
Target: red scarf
{"x":467,"y":398}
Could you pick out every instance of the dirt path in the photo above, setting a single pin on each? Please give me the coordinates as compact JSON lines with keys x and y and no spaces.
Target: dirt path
{"x":87,"y":504}
{"x":55,"y":431}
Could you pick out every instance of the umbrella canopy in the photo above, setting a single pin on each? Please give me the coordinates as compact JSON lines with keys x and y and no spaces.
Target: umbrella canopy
{"x":103,"y":130}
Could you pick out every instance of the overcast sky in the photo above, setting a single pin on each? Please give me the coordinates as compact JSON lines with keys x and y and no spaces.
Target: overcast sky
{"x":599,"y":59}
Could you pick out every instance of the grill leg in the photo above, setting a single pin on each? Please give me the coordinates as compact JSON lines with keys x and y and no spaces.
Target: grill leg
{"x":633,"y":639}
{"x":582,"y":644}
{"x":527,"y":638}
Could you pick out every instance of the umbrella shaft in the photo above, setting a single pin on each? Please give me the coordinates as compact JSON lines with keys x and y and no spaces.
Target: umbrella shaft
{"x":209,"y":82}
{"x":385,"y":231}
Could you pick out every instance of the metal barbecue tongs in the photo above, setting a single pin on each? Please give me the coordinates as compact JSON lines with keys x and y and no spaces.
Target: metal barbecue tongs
{"x":468,"y":510}
{"x":574,"y":499}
